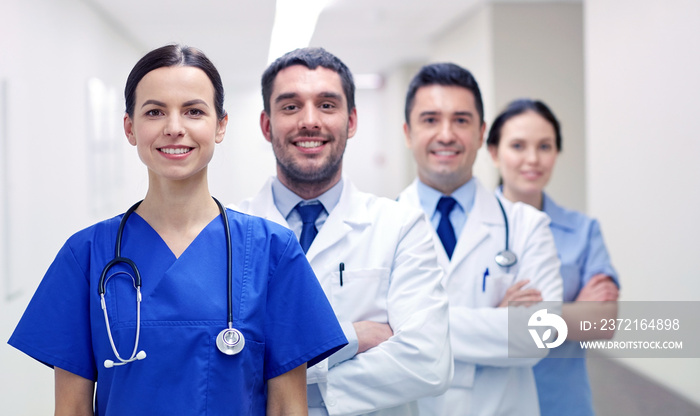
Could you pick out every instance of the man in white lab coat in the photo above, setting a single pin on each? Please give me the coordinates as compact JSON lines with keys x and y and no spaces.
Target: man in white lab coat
{"x":374,"y":257}
{"x":444,"y":129}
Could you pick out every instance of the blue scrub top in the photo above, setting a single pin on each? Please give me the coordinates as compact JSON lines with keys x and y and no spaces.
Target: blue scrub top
{"x":278,"y":305}
{"x":562,"y":383}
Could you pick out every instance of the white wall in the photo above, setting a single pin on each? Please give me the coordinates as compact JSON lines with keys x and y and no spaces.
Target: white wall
{"x":538,"y":53}
{"x":244,"y":160}
{"x":49,"y":51}
{"x":642,"y":66}
{"x":470,"y":44}
{"x":371,"y":155}
{"x":401,"y":167}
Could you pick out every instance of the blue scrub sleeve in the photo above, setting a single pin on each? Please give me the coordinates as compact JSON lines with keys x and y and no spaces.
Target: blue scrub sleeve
{"x":300,"y":325}
{"x":348,"y":351}
{"x":55,"y":327}
{"x":598,"y":259}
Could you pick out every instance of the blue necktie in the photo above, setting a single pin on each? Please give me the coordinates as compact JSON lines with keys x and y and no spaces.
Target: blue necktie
{"x":444,"y":229}
{"x":308,"y":214}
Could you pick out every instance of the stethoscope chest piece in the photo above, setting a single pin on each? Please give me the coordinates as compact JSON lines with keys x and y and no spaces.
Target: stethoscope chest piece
{"x":506,"y":258}
{"x":230,"y":341}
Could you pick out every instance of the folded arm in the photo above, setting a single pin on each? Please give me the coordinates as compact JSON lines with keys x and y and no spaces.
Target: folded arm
{"x":409,"y":356}
{"x":597,"y":300}
{"x":480,"y":335}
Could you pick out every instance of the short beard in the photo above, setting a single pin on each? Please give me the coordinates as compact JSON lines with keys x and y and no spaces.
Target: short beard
{"x":297,"y":176}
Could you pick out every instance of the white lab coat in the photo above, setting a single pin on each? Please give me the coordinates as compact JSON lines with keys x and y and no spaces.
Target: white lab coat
{"x":391,"y":276}
{"x":486,"y":381}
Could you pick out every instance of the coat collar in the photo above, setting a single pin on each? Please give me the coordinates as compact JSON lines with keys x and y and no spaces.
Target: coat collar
{"x":263,"y":205}
{"x":350,"y":213}
{"x":485,"y":218}
{"x":480,"y":224}
{"x":558,"y":215}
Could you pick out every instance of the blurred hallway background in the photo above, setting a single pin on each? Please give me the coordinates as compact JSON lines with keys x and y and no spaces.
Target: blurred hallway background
{"x":621,"y":75}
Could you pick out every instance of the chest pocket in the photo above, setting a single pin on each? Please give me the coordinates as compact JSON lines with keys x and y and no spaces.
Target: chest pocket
{"x":362,"y":297}
{"x":493,"y":288}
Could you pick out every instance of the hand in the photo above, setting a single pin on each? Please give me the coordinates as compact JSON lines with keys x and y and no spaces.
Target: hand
{"x":370,"y":334}
{"x":517,"y":293}
{"x":600,"y":288}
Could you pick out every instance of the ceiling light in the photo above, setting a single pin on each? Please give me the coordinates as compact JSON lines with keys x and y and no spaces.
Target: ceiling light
{"x":368,"y":81}
{"x":295,"y":22}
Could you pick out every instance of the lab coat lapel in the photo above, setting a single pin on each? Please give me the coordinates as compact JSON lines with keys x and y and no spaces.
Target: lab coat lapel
{"x":484,"y":214}
{"x":410,"y":196}
{"x":347,"y":215}
{"x":263,"y":205}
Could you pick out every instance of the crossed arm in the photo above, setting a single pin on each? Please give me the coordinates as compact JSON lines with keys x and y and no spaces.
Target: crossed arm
{"x":370,"y":334}
{"x":516,"y":293}
{"x":597,"y":300}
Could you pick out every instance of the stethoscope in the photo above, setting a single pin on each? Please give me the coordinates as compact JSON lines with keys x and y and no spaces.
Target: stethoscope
{"x":230,"y":341}
{"x":505,"y":258}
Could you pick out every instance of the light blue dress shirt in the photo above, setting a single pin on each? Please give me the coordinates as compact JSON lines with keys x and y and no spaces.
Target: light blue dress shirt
{"x":562,"y":383}
{"x":285,"y":200}
{"x":464,"y":195}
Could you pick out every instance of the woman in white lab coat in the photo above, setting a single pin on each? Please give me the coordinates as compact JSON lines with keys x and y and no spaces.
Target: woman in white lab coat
{"x":524,"y":142}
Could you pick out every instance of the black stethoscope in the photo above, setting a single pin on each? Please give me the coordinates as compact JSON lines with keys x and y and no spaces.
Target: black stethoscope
{"x":230,"y":341}
{"x":505,"y":258}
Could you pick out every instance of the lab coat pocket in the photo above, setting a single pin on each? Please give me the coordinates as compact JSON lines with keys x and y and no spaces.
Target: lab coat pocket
{"x":362,"y":295}
{"x":494,"y":289}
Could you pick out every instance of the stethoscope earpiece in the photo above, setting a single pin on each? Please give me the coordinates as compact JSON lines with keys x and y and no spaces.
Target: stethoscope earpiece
{"x":140,"y":356}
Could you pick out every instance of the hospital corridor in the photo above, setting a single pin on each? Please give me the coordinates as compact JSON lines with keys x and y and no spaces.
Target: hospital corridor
{"x":621,"y":76}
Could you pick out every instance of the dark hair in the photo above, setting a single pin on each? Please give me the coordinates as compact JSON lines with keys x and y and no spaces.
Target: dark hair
{"x":518,"y":107}
{"x":174,"y":55}
{"x":311,"y":58}
{"x":447,"y":74}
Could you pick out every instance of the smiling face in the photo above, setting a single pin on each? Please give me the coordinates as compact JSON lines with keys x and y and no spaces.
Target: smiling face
{"x":308,"y":125}
{"x":174,"y":125}
{"x":525,"y":156}
{"x":444,"y":134}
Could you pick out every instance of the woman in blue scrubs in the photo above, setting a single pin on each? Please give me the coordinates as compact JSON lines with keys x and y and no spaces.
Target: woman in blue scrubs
{"x":524,"y":142}
{"x":177,"y":238}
